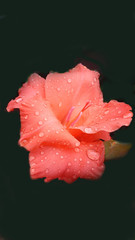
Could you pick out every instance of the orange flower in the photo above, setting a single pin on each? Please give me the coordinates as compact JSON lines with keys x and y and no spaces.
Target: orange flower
{"x":64,"y":122}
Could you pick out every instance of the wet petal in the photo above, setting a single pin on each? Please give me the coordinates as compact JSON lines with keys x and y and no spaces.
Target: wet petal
{"x":68,"y":164}
{"x":38,"y":123}
{"x":108,"y":117}
{"x":73,"y":88}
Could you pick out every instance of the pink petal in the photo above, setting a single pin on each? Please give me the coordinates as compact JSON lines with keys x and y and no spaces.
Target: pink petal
{"x":38,"y":123}
{"x":108,"y":117}
{"x":73,"y":88}
{"x":68,"y":164}
{"x":82,"y":136}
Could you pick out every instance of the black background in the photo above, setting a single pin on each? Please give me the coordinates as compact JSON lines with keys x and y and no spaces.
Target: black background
{"x":37,"y":37}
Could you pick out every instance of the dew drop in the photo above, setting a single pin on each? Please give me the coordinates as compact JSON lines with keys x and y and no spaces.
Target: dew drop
{"x":106,"y":112}
{"x":57,"y":153}
{"x":42,"y":153}
{"x":88,"y":162}
{"x":88,"y":130}
{"x":45,"y":158}
{"x":93,"y":155}
{"x":58,"y":89}
{"x":45,"y":119}
{"x":31,"y":129}
{"x":60,"y":104}
{"x":26,"y":116}
{"x":32,"y":105}
{"x":77,"y":144}
{"x":80,"y":159}
{"x":75,"y":159}
{"x":127,"y":115}
{"x":69,"y":164}
{"x":33,"y":164}
{"x":37,"y":113}
{"x":40,"y":122}
{"x":18,"y":100}
{"x":119,"y":112}
{"x":47,"y":170}
{"x":77,"y":150}
{"x":31,"y":158}
{"x":69,"y":80}
{"x":41,"y":134}
{"x":61,"y":156}
{"x":24,"y":141}
{"x":57,"y":132}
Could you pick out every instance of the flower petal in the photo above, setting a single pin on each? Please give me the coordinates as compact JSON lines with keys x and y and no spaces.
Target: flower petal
{"x":107,"y":117}
{"x":68,"y":164}
{"x":38,"y":123}
{"x":73,"y":88}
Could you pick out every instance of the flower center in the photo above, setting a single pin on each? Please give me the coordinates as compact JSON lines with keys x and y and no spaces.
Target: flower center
{"x":68,"y":123}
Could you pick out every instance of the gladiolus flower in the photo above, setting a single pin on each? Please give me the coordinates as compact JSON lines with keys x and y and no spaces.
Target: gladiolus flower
{"x":64,"y":123}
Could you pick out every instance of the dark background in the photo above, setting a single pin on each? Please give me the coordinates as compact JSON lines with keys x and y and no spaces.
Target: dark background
{"x":56,"y":36}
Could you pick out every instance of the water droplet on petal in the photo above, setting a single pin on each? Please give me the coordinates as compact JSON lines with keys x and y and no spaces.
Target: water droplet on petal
{"x":26,"y":116}
{"x":32,"y":105}
{"x":106,"y":112}
{"x":61,"y":156}
{"x":32,"y":170}
{"x":69,"y":80}
{"x":75,"y":159}
{"x":47,"y":170}
{"x":60,"y":104}
{"x":58,"y":89}
{"x":57,"y":153}
{"x":93,"y":155}
{"x":18,"y":100}
{"x":77,"y":144}
{"x":24,"y":141}
{"x":88,"y":130}
{"x":88,"y":161}
{"x":57,"y":132}
{"x":40,"y":122}
{"x":119,"y":112}
{"x":77,"y":150}
{"x":36,"y":113}
{"x":41,"y":134}
{"x":69,"y":164}
{"x":42,"y":153}
{"x":45,"y":119}
{"x":127,"y":115}
{"x":31,"y":158}
{"x":80,"y":159}
{"x":42,"y":160}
